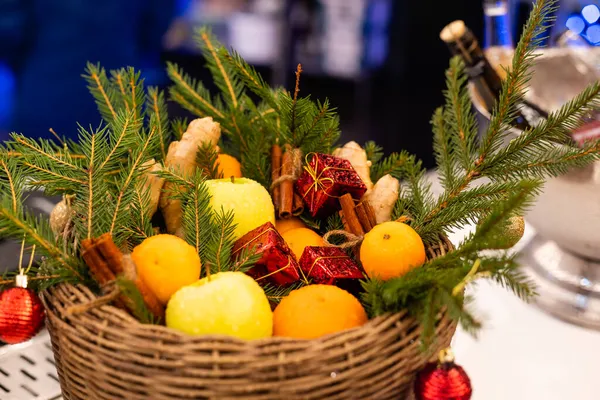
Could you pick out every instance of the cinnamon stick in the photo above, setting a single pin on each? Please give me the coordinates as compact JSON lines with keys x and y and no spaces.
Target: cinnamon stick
{"x":350,"y":217}
{"x":363,"y":218}
{"x":110,"y":252}
{"x":276,"y":174}
{"x":298,"y":208}
{"x":286,"y":203}
{"x":97,"y":265}
{"x":370,"y":213}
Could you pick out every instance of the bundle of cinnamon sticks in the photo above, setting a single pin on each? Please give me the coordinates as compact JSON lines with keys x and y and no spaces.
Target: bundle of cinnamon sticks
{"x":106,"y":262}
{"x":358,"y":218}
{"x":285,"y":169}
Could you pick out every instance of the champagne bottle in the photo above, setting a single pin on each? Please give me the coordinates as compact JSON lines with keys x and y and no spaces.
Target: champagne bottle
{"x":462,"y":42}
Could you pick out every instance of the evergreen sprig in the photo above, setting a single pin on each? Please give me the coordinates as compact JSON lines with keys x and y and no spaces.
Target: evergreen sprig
{"x":18,"y":223}
{"x":136,"y":301}
{"x":463,"y":160}
{"x":104,"y":172}
{"x":210,"y":231}
{"x":426,"y":290}
{"x":252,"y":127}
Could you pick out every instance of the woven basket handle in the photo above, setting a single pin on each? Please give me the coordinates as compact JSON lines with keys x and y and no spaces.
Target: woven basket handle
{"x":112,"y":295}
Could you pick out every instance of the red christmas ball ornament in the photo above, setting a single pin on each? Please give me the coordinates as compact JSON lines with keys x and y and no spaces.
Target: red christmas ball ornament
{"x":21,"y":313}
{"x":443,"y":380}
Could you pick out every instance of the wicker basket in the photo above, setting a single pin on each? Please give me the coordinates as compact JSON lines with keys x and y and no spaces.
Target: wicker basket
{"x":104,"y":353}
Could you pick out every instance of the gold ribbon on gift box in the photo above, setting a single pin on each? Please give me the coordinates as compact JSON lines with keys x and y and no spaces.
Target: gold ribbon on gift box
{"x":314,"y":263}
{"x":255,"y":239}
{"x":318,"y":180}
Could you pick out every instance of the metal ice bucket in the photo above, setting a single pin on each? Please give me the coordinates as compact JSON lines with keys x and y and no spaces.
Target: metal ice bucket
{"x":568,"y":210}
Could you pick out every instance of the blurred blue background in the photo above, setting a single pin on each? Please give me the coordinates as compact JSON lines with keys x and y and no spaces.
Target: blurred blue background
{"x":379,"y":61}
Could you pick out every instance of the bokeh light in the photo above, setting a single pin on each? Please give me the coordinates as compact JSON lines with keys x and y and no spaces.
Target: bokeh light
{"x":591,"y":13}
{"x":593,"y":34}
{"x":576,"y":24}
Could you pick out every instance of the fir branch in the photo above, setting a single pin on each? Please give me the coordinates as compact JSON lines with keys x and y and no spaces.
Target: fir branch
{"x":136,"y":89}
{"x":12,"y":190}
{"x":250,"y":77}
{"x":456,"y":307}
{"x":136,"y":301}
{"x":223,"y":77}
{"x":528,"y":153}
{"x":178,"y":127}
{"x":102,"y":90}
{"x":127,"y":83}
{"x":118,"y":79}
{"x":490,"y":233}
{"x":191,"y":94}
{"x":374,"y":152}
{"x":309,"y":221}
{"x":427,"y":316}
{"x":192,"y":191}
{"x":23,"y":145}
{"x":17,"y":222}
{"x":320,"y":129}
{"x":441,"y":148}
{"x":505,"y":270}
{"x":93,"y":196}
{"x":405,"y":166}
{"x":207,"y":161}
{"x":460,"y":116}
{"x":245,"y":260}
{"x":554,"y":162}
{"x":140,"y":216}
{"x":139,"y":156}
{"x":514,"y":85}
{"x":218,"y":245}
{"x":505,"y":110}
{"x":277,"y":293}
{"x":42,"y":162}
{"x":335,"y":223}
{"x":156,"y":108}
{"x":469,"y":206}
{"x":122,"y":137}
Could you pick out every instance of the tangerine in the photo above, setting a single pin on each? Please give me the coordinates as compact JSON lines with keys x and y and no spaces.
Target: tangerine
{"x":229,"y":166}
{"x":299,"y":238}
{"x":390,"y":250}
{"x":166,"y":263}
{"x":317,"y":310}
{"x":284,"y":225}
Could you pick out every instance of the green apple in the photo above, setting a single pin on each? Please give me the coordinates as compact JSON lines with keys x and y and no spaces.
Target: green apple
{"x":249,"y":200}
{"x":227,"y":303}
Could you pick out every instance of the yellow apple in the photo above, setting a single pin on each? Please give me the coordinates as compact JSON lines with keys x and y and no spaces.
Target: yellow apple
{"x":227,"y":303}
{"x":250,"y":201}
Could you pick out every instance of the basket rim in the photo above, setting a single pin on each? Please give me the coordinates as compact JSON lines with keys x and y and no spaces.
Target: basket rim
{"x":55,"y":299}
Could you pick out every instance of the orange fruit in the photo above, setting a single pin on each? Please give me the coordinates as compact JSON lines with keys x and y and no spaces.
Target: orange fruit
{"x":316,"y":310}
{"x":166,"y":263}
{"x":284,"y":225}
{"x":390,"y":250}
{"x":229,"y":166}
{"x":299,"y":238}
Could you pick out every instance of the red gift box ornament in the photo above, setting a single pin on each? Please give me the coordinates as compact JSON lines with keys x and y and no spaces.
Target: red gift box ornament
{"x":324,"y":180}
{"x":328,"y":266}
{"x":277,"y":264}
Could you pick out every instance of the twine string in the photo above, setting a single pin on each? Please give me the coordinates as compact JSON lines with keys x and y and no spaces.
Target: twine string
{"x":296,"y":169}
{"x":351,"y":239}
